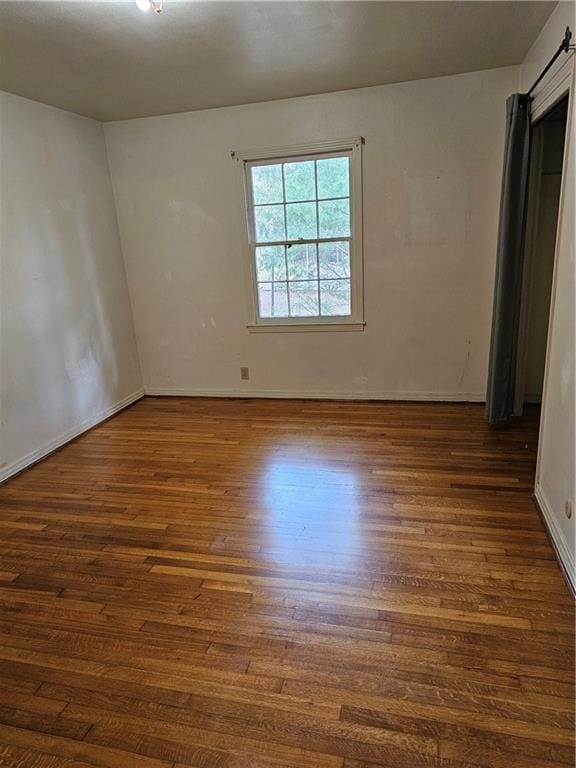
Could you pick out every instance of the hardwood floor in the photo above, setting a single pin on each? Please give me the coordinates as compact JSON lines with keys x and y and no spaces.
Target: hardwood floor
{"x":274,"y":584}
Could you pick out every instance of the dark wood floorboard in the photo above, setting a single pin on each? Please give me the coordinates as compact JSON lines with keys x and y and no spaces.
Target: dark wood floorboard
{"x":209,"y":583}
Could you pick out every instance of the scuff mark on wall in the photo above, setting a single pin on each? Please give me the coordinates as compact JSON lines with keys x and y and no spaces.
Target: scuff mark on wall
{"x":466,"y":365}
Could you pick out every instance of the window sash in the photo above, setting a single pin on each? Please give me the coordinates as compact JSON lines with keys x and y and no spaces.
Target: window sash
{"x":318,"y":288}
{"x":302,"y":241}
{"x":288,"y":159}
{"x":305,"y":280}
{"x":310,"y":318}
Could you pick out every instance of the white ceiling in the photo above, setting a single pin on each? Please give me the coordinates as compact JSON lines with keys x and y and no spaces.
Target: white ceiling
{"x":111,"y":61}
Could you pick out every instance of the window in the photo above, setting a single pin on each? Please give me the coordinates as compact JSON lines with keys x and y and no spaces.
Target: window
{"x":303,"y":209}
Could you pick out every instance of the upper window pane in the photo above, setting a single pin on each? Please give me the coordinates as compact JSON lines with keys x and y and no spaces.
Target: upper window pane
{"x":334,"y":218}
{"x":267,"y":184}
{"x":269,"y":223}
{"x":333,"y":177}
{"x":299,"y":181}
{"x":301,"y":221}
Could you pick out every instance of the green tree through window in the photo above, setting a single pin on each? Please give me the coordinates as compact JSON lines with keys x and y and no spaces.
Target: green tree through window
{"x":301,"y":229}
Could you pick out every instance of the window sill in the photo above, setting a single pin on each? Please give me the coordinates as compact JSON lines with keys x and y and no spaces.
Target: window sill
{"x":304,"y":327}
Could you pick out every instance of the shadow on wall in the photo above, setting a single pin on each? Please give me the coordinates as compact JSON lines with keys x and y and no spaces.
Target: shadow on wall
{"x":67,"y":346}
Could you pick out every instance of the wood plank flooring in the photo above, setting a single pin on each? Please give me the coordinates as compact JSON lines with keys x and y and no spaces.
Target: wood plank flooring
{"x":284,"y":584}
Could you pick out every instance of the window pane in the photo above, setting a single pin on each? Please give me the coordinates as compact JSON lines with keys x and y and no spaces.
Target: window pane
{"x":301,"y":220}
{"x":273,"y":299}
{"x":334,"y":218}
{"x":304,"y":299}
{"x":334,"y":259}
{"x":269,"y":223}
{"x":267,"y":184}
{"x":270,"y":263}
{"x":335,"y":297}
{"x":299,"y":183}
{"x":333,"y":177}
{"x":302,"y":263}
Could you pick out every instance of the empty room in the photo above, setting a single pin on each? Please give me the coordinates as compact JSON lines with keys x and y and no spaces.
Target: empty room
{"x":287,"y":393}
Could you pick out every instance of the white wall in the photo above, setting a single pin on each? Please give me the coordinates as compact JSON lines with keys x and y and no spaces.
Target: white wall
{"x":432,"y":172}
{"x":68,"y":354}
{"x":555,"y":475}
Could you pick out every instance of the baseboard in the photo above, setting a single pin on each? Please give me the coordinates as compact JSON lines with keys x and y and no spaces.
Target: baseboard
{"x":450,"y":397}
{"x":561,"y":548}
{"x":40,"y":453}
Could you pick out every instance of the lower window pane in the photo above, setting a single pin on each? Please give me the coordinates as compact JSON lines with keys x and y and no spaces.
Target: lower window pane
{"x":273,"y":299}
{"x":302,"y":262}
{"x":270,"y":263}
{"x":334,"y":260}
{"x":304,"y":298}
{"x":335,"y":297}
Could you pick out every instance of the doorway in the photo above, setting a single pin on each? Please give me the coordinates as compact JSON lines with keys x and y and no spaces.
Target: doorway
{"x":547,"y":154}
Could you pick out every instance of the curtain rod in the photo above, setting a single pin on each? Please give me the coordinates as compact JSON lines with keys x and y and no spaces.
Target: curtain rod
{"x":564,"y":47}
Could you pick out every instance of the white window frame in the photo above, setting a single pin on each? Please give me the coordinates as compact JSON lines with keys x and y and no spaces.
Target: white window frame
{"x":245,"y":160}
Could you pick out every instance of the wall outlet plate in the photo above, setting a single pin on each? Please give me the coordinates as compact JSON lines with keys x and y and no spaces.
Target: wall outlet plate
{"x":244,"y":374}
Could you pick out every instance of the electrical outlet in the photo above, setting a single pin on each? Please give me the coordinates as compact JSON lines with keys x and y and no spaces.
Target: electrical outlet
{"x":568,"y":509}
{"x":244,"y":374}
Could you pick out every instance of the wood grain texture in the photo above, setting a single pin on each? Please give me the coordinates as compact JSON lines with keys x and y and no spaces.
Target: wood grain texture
{"x":206,"y":583}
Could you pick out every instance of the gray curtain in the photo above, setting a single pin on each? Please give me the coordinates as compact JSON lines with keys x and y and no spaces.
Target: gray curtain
{"x":510,"y":261}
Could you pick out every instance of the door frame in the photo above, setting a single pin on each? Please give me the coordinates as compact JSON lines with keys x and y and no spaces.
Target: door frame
{"x":558,"y":86}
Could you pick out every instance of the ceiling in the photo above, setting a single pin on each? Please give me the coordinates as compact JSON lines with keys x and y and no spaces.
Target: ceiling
{"x":111,"y":61}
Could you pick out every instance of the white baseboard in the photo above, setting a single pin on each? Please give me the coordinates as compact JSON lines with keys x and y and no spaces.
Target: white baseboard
{"x":26,"y":461}
{"x":468,"y":397}
{"x":563,"y":552}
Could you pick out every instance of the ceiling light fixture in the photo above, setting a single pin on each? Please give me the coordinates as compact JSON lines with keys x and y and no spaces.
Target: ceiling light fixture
{"x":146,"y":5}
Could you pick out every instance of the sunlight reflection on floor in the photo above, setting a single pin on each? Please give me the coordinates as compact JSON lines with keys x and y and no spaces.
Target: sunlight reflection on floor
{"x":307,"y":500}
